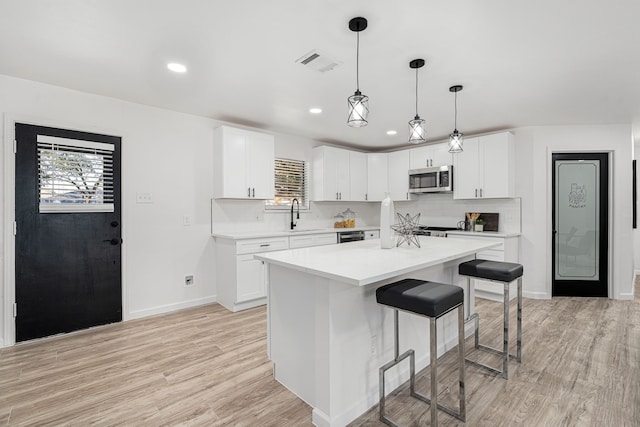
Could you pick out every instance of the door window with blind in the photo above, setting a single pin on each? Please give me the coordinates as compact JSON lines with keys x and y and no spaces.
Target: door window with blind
{"x":291,"y":182}
{"x":74,"y":175}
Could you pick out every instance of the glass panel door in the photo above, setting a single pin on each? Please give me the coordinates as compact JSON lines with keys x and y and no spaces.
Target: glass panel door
{"x":580,"y":226}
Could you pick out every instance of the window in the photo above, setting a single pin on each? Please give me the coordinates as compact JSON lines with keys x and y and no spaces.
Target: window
{"x":291,"y":182}
{"x":74,"y":175}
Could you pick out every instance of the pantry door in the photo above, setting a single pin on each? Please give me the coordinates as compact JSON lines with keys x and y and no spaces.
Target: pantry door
{"x":68,"y":231}
{"x":580,"y":224}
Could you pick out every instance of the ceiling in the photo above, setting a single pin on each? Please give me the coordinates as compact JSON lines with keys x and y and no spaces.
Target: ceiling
{"x":544,"y":62}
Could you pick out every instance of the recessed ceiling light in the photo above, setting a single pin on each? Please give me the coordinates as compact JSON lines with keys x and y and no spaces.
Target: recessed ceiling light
{"x":315,"y":110}
{"x":391,"y":132}
{"x":176,"y":68}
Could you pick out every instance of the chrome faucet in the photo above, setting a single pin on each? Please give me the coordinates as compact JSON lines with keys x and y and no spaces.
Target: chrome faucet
{"x":293,"y":224}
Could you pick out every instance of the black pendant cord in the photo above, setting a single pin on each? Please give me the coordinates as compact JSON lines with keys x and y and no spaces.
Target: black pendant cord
{"x":455,"y":109}
{"x":417,"y":93}
{"x":358,"y":62}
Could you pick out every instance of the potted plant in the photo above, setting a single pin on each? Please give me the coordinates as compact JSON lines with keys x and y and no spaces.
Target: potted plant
{"x":479,"y":225}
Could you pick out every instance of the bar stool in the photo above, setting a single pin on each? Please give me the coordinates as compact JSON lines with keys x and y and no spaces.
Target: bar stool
{"x":505,"y":273}
{"x":431,"y":300}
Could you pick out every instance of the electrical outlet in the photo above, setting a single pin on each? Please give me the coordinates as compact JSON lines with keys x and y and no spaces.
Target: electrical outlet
{"x":144,"y":198}
{"x":374,"y":342}
{"x":188,"y":280}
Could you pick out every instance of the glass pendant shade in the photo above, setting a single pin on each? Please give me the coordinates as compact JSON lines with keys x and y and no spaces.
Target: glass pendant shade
{"x":455,"y":137}
{"x":455,"y":141}
{"x":417,"y":133}
{"x":358,"y":110}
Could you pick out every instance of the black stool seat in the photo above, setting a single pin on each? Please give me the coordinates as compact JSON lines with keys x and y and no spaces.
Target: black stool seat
{"x":430,"y":299}
{"x":492,"y":270}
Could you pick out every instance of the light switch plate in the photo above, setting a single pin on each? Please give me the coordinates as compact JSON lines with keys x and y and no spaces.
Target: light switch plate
{"x":144,"y":198}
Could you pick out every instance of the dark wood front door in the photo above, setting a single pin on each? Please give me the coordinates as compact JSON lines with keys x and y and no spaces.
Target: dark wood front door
{"x":68,"y":244}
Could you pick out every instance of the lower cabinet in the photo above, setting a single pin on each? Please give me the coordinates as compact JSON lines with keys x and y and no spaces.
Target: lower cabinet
{"x":507,"y":251}
{"x":308,"y":240}
{"x":241,"y":279}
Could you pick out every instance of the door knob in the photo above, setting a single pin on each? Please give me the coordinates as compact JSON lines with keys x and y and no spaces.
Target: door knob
{"x":112,"y":241}
{"x":114,"y":223}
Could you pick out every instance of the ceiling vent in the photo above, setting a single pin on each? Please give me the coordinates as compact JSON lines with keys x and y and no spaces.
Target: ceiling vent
{"x":318,"y":61}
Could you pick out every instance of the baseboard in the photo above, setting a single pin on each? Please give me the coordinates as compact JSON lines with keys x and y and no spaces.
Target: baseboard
{"x":167,"y":308}
{"x":1,"y":342}
{"x":535,"y":295}
{"x":626,"y":296}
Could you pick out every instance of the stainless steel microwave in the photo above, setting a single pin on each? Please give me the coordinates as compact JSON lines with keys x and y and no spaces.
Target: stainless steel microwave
{"x":431,"y":180}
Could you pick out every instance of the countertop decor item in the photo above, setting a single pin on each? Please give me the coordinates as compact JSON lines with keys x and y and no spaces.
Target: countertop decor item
{"x":416,"y":126}
{"x":479,"y":225}
{"x":387,"y":213}
{"x":358,"y":103}
{"x":406,"y":229}
{"x":455,"y":137}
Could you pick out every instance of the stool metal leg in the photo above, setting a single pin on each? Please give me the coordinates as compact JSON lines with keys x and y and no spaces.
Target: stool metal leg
{"x":433,"y":361}
{"x":505,"y":332}
{"x":461,"y":364}
{"x":519,"y":338}
{"x":504,"y":353}
{"x":461,"y":413}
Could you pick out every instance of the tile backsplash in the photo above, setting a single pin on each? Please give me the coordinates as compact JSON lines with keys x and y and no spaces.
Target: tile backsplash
{"x":436,"y":209}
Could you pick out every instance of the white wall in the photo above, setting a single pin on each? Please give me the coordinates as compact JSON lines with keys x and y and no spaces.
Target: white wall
{"x":534,"y":147}
{"x":165,"y":153}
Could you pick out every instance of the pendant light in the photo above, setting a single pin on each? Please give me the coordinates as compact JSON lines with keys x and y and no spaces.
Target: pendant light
{"x":455,"y":138}
{"x":416,"y":126}
{"x":358,"y":103}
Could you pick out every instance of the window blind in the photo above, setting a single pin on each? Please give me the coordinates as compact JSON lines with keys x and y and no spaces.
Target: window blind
{"x":291,"y":182}
{"x":74,"y":175}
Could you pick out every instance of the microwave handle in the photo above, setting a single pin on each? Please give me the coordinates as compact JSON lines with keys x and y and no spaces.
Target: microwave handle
{"x":439,"y":179}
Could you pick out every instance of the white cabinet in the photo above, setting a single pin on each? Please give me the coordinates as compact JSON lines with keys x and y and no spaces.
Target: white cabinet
{"x":430,"y":155}
{"x":377,"y":176}
{"x":308,"y":240}
{"x":241,"y":279}
{"x":243,"y":164}
{"x":331,"y":177}
{"x":398,"y":174}
{"x":485,"y":169}
{"x":358,"y":176}
{"x":507,"y":251}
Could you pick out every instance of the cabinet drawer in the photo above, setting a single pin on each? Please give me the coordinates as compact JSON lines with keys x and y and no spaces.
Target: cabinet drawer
{"x":250,"y":246}
{"x":301,"y":241}
{"x":372,"y":234}
{"x":326,"y":239}
{"x":491,"y":255}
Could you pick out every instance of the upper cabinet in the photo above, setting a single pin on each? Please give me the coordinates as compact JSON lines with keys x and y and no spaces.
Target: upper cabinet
{"x":331,"y":174}
{"x":485,"y":169}
{"x":398,"y":174}
{"x":358,"y":174}
{"x":243,"y":164}
{"x":429,"y":155}
{"x":377,"y":176}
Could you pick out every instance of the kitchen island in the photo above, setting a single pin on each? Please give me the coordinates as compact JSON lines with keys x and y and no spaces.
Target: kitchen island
{"x":327,"y":336}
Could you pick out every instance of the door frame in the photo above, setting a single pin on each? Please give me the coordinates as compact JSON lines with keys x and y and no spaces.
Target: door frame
{"x":9,"y":208}
{"x":549,"y":216}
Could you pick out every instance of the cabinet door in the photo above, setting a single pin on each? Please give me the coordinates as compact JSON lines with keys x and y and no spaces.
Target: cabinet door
{"x":496,"y":166}
{"x":398,"y":174}
{"x":466,"y":171}
{"x":441,"y":155}
{"x":343,"y":174}
{"x":377,"y":181}
{"x":230,"y":163}
{"x":330,"y":158}
{"x":420,"y":157}
{"x":260,"y":165}
{"x":358,"y":175}
{"x":251,"y":279}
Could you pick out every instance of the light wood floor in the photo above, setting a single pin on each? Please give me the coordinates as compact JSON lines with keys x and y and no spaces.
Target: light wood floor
{"x":207,"y":366}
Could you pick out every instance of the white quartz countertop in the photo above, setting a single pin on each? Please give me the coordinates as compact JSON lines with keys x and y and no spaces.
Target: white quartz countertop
{"x":483,"y":233}
{"x":364,"y":262}
{"x":238,"y":235}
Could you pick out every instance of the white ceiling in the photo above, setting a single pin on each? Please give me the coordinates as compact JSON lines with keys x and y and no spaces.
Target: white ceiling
{"x":522,"y":63}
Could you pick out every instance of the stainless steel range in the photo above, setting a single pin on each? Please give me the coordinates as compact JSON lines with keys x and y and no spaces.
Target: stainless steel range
{"x":424,"y":230}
